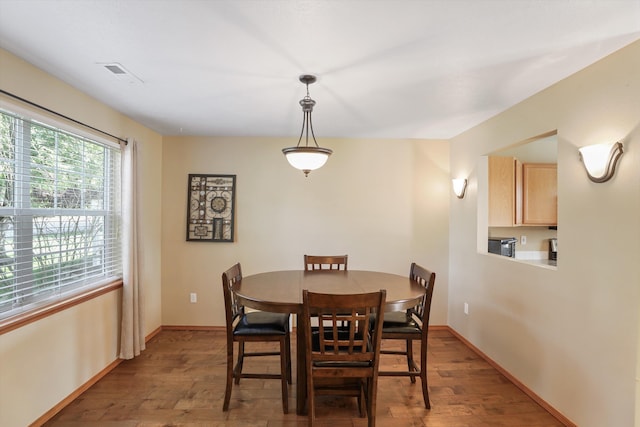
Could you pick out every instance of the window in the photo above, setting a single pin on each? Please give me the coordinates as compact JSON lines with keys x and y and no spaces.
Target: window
{"x":59,"y":214}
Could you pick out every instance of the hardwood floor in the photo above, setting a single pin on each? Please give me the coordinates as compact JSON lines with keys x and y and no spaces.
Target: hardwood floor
{"x":179,"y":380}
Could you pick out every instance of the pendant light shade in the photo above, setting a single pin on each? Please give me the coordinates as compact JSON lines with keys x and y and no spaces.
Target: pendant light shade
{"x":306,"y":157}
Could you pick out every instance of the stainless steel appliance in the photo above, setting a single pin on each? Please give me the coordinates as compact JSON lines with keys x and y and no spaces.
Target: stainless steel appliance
{"x":553,"y":249}
{"x":505,"y":246}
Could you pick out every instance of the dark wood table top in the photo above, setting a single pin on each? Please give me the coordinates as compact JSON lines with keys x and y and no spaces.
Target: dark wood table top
{"x":281,"y":291}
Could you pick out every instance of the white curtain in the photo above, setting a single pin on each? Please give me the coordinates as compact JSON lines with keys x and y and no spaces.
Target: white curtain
{"x":132,"y":328}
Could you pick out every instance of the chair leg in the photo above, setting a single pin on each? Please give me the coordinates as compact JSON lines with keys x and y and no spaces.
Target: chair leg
{"x":371,"y":402}
{"x":283,"y":375}
{"x":311,"y":402}
{"x":362,"y":401}
{"x":238,"y":370}
{"x":410,"y":363}
{"x":288,"y":354}
{"x":227,"y":391}
{"x":423,"y":375}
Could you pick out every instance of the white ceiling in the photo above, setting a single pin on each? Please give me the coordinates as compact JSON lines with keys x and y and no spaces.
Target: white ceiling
{"x":386,"y":69}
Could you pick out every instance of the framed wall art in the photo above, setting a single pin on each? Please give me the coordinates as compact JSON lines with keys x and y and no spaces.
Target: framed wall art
{"x":210,"y":208}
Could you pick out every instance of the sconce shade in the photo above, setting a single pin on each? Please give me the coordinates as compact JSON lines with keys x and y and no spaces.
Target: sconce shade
{"x":600,"y":160}
{"x":459,"y":187}
{"x":307,"y":157}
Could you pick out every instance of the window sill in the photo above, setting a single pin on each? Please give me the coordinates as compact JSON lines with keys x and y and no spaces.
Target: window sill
{"x":36,"y":314}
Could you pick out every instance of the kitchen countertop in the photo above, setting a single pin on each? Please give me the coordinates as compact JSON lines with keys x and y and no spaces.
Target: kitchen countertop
{"x":538,"y":262}
{"x":542,"y":261}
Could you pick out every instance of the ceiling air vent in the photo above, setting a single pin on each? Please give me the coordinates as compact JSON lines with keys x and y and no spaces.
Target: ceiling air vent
{"x":119,"y":72}
{"x":116,"y":69}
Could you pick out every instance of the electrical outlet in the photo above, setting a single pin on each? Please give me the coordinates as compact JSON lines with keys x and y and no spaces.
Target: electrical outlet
{"x":523,"y":240}
{"x":466,"y":308}
{"x":193,"y":297}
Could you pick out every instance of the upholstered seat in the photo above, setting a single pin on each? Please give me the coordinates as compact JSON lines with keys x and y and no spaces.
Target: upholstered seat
{"x":343,"y":335}
{"x":260,"y":322}
{"x":400,"y":322}
{"x":333,"y":364}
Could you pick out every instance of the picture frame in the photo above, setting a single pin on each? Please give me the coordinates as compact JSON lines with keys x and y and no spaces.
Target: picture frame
{"x":211,"y":208}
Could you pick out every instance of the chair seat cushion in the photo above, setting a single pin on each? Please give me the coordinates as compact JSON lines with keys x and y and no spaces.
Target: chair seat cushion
{"x":400,"y":322}
{"x":343,"y":335}
{"x":341,"y":364}
{"x":262,"y":323}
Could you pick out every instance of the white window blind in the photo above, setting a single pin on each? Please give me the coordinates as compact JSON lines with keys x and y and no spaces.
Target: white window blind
{"x":59,"y":214}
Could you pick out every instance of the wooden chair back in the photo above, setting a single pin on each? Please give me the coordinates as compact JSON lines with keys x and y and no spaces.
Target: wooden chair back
{"x":343,"y":351}
{"x":325,"y":262}
{"x":233,"y":310}
{"x":426,"y":278}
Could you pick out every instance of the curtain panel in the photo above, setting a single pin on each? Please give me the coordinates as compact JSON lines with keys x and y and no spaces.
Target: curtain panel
{"x":132,"y":328}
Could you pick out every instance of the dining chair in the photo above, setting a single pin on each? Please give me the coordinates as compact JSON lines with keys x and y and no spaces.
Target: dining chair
{"x":412,"y":325}
{"x":254,"y":326}
{"x":341,"y":361}
{"x":325,"y":262}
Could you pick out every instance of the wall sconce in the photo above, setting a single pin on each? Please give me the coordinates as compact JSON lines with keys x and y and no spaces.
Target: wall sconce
{"x":459,"y":187}
{"x":600,"y":160}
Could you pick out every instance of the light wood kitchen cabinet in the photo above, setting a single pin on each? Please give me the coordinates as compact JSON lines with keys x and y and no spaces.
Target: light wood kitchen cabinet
{"x":539,"y":194}
{"x":505,"y":191}
{"x":522,"y":193}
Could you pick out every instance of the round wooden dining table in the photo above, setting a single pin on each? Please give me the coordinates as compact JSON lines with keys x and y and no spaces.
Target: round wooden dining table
{"x":281,"y":292}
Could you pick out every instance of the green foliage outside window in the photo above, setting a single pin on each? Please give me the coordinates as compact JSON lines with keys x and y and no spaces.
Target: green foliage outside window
{"x":58,"y":212}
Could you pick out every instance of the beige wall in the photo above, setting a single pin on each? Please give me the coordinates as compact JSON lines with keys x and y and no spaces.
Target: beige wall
{"x":571,"y":334}
{"x":383,"y":202}
{"x":43,"y":362}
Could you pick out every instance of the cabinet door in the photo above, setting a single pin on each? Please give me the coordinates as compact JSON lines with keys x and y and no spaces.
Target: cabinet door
{"x":504,"y":191}
{"x":540,"y":194}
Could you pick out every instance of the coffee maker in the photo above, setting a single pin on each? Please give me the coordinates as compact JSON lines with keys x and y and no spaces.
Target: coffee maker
{"x":553,"y":249}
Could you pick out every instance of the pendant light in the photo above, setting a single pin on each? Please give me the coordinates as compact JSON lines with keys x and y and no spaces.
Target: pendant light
{"x":306,"y":157}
